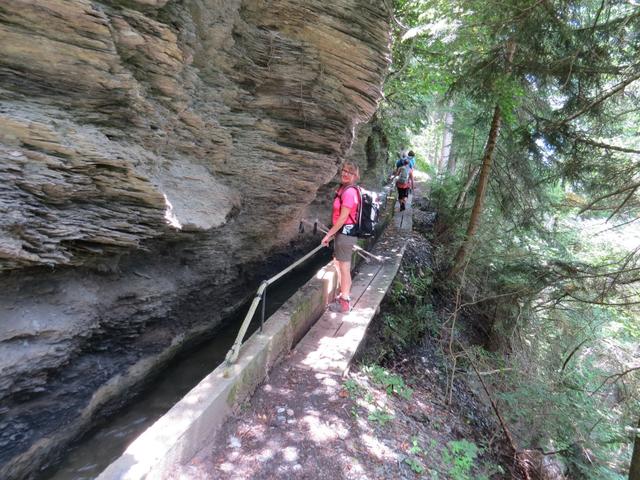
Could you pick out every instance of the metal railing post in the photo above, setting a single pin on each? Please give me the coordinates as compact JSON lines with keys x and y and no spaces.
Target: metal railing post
{"x":264,"y":304}
{"x":234,"y":351}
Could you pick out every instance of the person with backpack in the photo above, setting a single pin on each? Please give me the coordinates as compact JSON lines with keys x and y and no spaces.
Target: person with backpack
{"x":412,"y":159}
{"x":404,"y":183}
{"x":344,"y":228}
{"x":401,"y":159}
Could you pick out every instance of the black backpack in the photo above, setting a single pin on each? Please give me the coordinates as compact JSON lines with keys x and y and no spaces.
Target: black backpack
{"x":368,"y":213}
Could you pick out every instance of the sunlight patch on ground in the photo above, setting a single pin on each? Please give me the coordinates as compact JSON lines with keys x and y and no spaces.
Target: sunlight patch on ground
{"x":265,"y":454}
{"x":377,"y":448}
{"x":326,"y":380}
{"x":319,"y":431}
{"x":282,"y":391}
{"x":352,"y":466}
{"x":327,"y":390}
{"x":290,"y":454}
{"x":363,"y":424}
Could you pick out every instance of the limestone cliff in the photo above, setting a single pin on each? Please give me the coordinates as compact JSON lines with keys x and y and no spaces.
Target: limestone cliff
{"x":152,"y":153}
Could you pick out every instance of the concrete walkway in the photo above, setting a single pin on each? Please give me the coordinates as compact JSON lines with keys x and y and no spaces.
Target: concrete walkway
{"x":332,"y":342}
{"x":196,"y":426}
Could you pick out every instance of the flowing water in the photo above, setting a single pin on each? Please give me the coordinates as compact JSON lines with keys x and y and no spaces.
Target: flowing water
{"x":97,"y":449}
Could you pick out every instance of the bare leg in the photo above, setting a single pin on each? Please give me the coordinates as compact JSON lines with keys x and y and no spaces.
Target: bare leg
{"x":336,"y":263}
{"x":344,"y":277}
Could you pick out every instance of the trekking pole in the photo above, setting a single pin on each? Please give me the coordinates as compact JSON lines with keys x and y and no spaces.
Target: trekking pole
{"x":366,"y":256}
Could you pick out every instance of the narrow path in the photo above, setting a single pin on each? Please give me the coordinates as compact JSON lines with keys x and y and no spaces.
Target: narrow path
{"x":298,"y":424}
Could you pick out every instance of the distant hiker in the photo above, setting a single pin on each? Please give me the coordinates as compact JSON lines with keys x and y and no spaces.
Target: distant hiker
{"x":401,"y":158}
{"x":344,"y":219}
{"x":412,"y":159}
{"x":404,"y":182}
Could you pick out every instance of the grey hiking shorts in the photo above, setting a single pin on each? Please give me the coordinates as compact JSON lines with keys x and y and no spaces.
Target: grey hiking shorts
{"x":343,"y":247}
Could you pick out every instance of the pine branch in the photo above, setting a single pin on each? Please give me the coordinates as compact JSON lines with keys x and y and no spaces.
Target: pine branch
{"x":626,"y":188}
{"x":598,"y":100}
{"x":605,"y":145}
{"x":616,"y":377}
{"x":608,"y":304}
{"x":620,"y":225}
{"x":624,"y":202}
{"x":566,"y":361}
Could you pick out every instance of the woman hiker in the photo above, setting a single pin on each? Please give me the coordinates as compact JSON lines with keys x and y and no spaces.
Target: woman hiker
{"x":404,"y":183}
{"x":344,"y":220}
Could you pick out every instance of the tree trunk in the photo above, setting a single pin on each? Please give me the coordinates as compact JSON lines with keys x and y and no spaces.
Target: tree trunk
{"x":473,"y":144}
{"x":634,"y":469}
{"x":478,"y":203}
{"x":463,"y":194}
{"x":487,"y":160}
{"x":439,"y":147}
{"x":445,"y":157}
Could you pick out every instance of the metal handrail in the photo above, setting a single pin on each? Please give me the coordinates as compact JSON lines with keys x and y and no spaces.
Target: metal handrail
{"x":261,"y":295}
{"x":366,"y":255}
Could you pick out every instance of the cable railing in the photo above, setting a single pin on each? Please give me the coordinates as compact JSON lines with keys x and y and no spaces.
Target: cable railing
{"x":261,"y":296}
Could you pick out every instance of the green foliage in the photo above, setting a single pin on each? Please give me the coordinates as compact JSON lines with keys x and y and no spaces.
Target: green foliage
{"x":380,"y":416}
{"x":628,"y":326}
{"x":510,"y":96}
{"x":460,"y":455}
{"x":392,"y":383}
{"x":411,"y":314}
{"x":542,"y":285}
{"x":564,"y":309}
{"x":352,"y":387}
{"x":401,"y":330}
{"x":415,"y":465}
{"x":415,"y":448}
{"x":424,"y":166}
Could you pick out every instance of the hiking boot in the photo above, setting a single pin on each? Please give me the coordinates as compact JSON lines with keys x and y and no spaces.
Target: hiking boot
{"x":341,"y":305}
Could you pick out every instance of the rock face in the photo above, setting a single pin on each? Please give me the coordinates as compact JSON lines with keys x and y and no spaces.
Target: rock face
{"x":152,"y":154}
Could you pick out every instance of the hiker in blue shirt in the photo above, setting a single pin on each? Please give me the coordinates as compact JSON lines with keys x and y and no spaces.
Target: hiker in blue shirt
{"x":412,"y":159}
{"x":401,"y":159}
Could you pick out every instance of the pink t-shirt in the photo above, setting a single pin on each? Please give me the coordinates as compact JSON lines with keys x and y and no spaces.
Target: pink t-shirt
{"x":346,"y":197}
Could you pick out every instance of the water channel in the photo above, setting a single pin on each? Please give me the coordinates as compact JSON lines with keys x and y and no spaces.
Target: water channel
{"x":99,"y":447}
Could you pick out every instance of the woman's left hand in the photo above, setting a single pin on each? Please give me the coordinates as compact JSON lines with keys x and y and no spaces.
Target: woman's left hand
{"x":325,"y":240}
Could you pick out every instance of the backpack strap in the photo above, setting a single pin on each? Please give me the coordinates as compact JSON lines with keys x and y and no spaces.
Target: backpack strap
{"x":339,"y":195}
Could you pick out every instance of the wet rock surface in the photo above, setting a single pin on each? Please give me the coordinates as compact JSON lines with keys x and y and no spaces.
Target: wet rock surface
{"x":153,"y":153}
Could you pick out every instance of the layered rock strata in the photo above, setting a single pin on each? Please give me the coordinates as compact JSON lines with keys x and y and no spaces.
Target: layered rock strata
{"x":152,"y":154}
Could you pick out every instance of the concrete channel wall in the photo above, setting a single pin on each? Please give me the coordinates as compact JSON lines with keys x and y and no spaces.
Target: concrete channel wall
{"x":180,"y":433}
